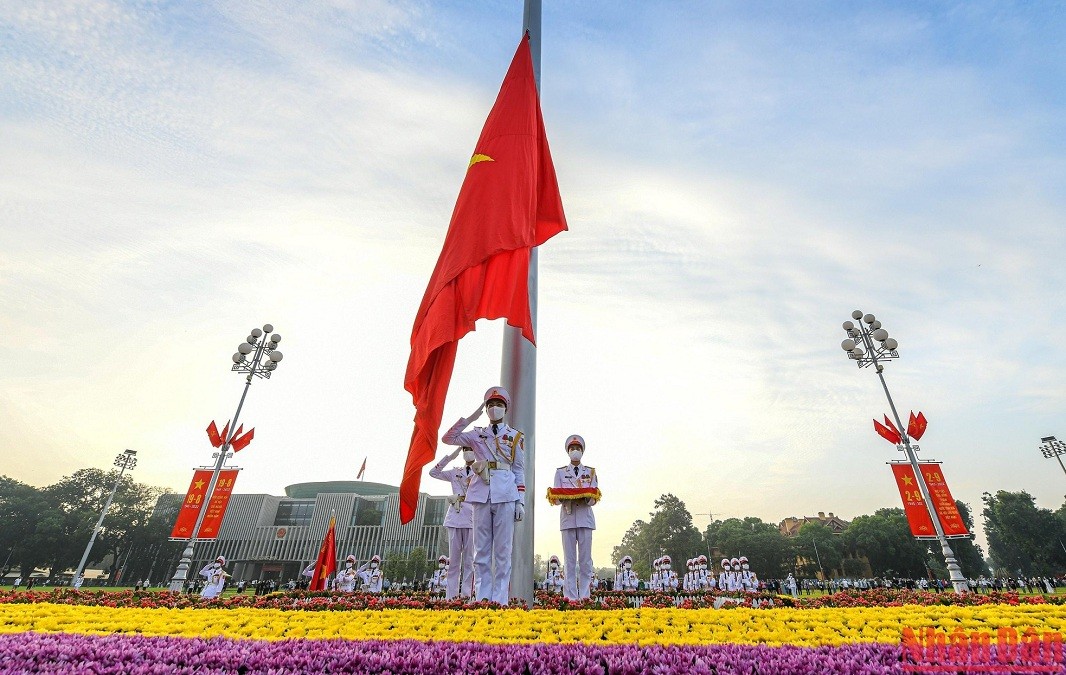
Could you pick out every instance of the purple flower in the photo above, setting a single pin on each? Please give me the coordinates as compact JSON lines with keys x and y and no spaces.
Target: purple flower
{"x":67,"y":653}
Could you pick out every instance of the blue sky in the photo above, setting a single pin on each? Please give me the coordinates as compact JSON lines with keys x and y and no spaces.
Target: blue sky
{"x":738,"y":177}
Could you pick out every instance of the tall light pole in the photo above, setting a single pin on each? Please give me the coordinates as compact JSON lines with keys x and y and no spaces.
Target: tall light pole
{"x":249,"y":359}
{"x":1053,"y":447}
{"x":869,"y":344}
{"x":127,"y":460}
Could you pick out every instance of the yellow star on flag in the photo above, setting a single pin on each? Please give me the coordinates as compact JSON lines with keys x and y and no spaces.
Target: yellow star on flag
{"x":907,"y":479}
{"x":199,"y":484}
{"x":325,"y":573}
{"x":478,"y":157}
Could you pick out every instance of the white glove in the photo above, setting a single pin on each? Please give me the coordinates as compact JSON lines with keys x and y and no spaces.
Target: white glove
{"x":519,"y":511}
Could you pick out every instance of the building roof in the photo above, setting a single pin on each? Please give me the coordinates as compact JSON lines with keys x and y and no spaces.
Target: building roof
{"x":359,"y":487}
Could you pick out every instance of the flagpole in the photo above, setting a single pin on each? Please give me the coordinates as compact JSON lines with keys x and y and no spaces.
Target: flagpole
{"x":518,"y":375}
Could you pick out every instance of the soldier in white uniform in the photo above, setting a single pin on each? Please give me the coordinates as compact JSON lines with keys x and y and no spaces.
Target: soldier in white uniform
{"x":736,"y":582}
{"x":553,"y":578}
{"x":655,"y":583}
{"x":748,"y":580}
{"x":706,"y":577}
{"x":347,"y":577}
{"x":371,"y":575}
{"x":576,"y":520}
{"x":216,"y":578}
{"x":669,"y":577}
{"x":459,"y":522}
{"x":725,"y":579}
{"x":439,"y":581}
{"x":626,"y":579}
{"x":497,"y":496}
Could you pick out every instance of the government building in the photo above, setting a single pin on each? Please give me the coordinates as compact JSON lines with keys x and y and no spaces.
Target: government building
{"x":268,"y":537}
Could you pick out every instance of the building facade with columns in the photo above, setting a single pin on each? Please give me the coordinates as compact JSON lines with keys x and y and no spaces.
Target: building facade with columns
{"x":268,"y":537}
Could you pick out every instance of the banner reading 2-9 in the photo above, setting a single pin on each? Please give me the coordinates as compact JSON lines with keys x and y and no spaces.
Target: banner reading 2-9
{"x":914,"y":505}
{"x":193,"y":502}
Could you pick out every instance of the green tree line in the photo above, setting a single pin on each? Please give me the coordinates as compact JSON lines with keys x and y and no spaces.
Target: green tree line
{"x":879,"y":544}
{"x":49,"y":527}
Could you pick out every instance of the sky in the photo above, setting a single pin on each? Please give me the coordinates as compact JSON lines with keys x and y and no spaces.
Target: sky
{"x":737,"y":177}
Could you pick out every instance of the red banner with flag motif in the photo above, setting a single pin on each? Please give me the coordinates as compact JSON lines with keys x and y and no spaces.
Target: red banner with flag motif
{"x":914,"y":506}
{"x":327,"y":558}
{"x":194,"y":501}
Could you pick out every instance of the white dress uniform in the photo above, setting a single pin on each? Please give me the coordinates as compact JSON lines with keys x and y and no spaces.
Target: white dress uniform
{"x":725,"y":579}
{"x":459,"y":522}
{"x":626,"y":580}
{"x":439,"y":581}
{"x":493,"y":502}
{"x":554,"y":580}
{"x":216,"y":580}
{"x":372,"y":578}
{"x":576,"y":523}
{"x":346,"y":580}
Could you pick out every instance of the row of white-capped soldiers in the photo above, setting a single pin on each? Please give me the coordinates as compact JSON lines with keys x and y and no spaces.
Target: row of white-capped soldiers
{"x":488,"y":497}
{"x":736,"y":575}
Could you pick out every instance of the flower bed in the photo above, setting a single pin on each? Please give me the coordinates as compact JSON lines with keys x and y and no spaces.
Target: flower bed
{"x":773,"y":627}
{"x":62,"y":653}
{"x":326,"y":600}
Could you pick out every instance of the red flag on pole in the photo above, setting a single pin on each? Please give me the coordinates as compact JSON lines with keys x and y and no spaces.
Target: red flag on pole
{"x":212,"y":435}
{"x":238,"y":444}
{"x":509,"y":203}
{"x":327,"y":557}
{"x":362,"y":470}
{"x":916,"y":426}
{"x":889,"y":435}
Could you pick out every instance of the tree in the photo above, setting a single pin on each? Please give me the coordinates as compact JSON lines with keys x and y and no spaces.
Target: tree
{"x":770,"y":553}
{"x":816,"y":543}
{"x":970,"y":556}
{"x":417,"y":564}
{"x":22,"y":508}
{"x":853,"y":568}
{"x":1022,"y":538}
{"x":885,"y":540}
{"x":669,"y":531}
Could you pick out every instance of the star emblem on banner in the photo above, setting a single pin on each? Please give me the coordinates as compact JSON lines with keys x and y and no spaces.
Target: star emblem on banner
{"x":907,"y":479}
{"x":199,"y":484}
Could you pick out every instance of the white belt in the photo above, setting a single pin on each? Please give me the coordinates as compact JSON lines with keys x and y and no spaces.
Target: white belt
{"x":499,"y":466}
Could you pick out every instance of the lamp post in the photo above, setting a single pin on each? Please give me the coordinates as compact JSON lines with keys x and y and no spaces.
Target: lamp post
{"x":258,"y":357}
{"x":127,"y":460}
{"x":869,"y":344}
{"x":1053,"y":447}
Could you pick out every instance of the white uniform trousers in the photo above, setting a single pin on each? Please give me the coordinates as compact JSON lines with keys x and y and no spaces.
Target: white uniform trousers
{"x":461,"y":555}
{"x":493,"y":539}
{"x":577,"y":557}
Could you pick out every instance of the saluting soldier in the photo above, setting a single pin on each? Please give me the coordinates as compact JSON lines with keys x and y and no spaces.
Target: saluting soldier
{"x":497,"y":497}
{"x":576,"y":520}
{"x":459,"y":522}
{"x":347,"y":577}
{"x":371,"y":575}
{"x":215,"y":578}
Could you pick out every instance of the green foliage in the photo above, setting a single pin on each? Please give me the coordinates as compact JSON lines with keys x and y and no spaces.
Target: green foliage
{"x":669,"y":531}
{"x":819,"y":548}
{"x":770,"y":553}
{"x":885,"y":539}
{"x":1022,"y":537}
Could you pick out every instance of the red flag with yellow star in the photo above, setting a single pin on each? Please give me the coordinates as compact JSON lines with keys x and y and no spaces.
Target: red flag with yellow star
{"x":326,"y":565}
{"x":509,"y":203}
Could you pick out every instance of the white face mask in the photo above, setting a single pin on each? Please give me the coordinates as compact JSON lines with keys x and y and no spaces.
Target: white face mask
{"x":468,"y":456}
{"x":628,"y":565}
{"x":441,"y":565}
{"x":348,"y":565}
{"x":744,"y":566}
{"x":736,"y":568}
{"x":373,"y":566}
{"x":666,"y":566}
{"x":575,"y":455}
{"x":218,"y":565}
{"x":495,"y":412}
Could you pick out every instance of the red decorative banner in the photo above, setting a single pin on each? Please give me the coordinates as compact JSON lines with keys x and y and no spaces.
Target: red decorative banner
{"x":946,"y":509}
{"x":194,"y":499}
{"x":914,"y":506}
